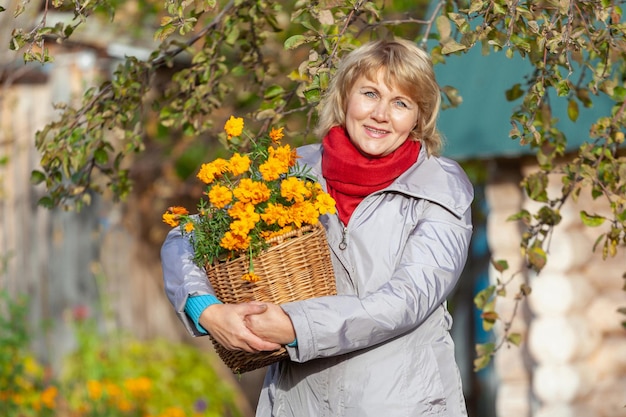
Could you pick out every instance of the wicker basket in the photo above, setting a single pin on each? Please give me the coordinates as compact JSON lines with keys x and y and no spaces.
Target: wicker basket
{"x":297,"y":267}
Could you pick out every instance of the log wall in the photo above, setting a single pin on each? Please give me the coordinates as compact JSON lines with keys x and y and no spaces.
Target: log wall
{"x":572,"y":363}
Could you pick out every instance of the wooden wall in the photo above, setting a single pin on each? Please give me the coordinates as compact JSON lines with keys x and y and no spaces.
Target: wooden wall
{"x":573,"y":360}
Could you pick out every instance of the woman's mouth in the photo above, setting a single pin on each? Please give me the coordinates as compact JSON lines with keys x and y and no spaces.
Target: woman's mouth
{"x":376,"y":131}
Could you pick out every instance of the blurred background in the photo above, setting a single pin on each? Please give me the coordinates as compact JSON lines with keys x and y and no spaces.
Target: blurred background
{"x":87,"y":331}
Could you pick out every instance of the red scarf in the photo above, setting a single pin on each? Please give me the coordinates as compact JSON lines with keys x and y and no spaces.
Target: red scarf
{"x":351,"y":176}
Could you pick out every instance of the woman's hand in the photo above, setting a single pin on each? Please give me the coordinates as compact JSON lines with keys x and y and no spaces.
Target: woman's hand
{"x":225,"y":322}
{"x":273,"y":325}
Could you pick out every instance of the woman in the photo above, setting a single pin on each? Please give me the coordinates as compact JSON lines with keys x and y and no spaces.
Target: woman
{"x":399,"y":242}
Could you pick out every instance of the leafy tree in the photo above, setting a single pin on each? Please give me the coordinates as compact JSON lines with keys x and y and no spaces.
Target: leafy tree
{"x":273,"y":61}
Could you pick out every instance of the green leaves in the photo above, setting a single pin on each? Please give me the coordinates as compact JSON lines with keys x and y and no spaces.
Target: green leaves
{"x":448,"y":44}
{"x":295,"y":41}
{"x":485,"y":301}
{"x":591,"y":220}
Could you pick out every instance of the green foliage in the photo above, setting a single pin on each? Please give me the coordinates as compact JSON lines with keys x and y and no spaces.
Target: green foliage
{"x":485,"y":301}
{"x":108,"y":375}
{"x":17,"y":375}
{"x":228,"y":52}
{"x":113,"y":373}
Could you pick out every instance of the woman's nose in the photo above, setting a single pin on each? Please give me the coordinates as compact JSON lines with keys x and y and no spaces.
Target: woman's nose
{"x":380,"y":112}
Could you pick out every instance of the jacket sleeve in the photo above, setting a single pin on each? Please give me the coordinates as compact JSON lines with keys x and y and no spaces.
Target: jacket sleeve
{"x":182,"y":278}
{"x":428,"y":270}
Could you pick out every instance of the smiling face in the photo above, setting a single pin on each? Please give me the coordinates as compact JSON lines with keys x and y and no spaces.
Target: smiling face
{"x":379,"y":118}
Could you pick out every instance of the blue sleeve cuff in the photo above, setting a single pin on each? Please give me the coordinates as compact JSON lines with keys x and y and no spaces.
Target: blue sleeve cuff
{"x":195,"y":305}
{"x":294,"y":343}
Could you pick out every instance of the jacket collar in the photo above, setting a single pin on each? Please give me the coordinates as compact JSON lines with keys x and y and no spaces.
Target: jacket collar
{"x":437,"y":179}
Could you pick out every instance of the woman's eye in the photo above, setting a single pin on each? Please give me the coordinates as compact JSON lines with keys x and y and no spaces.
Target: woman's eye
{"x":370,"y":94}
{"x":401,"y":103}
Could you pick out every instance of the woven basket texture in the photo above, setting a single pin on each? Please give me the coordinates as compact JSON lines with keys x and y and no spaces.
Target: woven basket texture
{"x":296,"y":267}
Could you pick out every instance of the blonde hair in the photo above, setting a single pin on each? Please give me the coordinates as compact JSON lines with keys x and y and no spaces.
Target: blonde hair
{"x":405,"y":66}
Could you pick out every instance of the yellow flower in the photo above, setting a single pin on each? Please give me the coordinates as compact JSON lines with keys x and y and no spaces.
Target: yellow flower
{"x":285,"y":154}
{"x":220,"y":196}
{"x":282,"y":153}
{"x":239,"y":164}
{"x":275,"y":214}
{"x":324,"y":203}
{"x":124,"y":405}
{"x":233,"y":126}
{"x":234,"y":242}
{"x":247,"y":218}
{"x":138,"y":387}
{"x":221,"y":165}
{"x":94,"y":389}
{"x":240,"y":210}
{"x":249,"y":191}
{"x":276,"y":134}
{"x":208,"y":172}
{"x":303,"y":212}
{"x":241,"y":227}
{"x":189,"y":227}
{"x":174,"y":412}
{"x":250,"y":277}
{"x":272,"y":169}
{"x":172,"y":215}
{"x":170,"y":219}
{"x":294,"y":189}
{"x":48,"y":396}
{"x":114,"y":392}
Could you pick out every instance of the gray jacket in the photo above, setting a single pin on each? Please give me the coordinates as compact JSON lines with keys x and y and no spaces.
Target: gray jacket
{"x":381,"y":347}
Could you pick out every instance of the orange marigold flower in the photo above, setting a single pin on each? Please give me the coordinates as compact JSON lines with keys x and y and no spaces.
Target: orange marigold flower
{"x":294,"y":189}
{"x":189,"y":227}
{"x":171,"y":219}
{"x":241,"y":227}
{"x":221,"y":165}
{"x":276,"y":134}
{"x":208,"y":172}
{"x":113,"y":391}
{"x":178,"y":210}
{"x":123,"y":405}
{"x":249,"y":191}
{"x":239,"y":210}
{"x":48,"y":396}
{"x":272,"y":169}
{"x":233,"y":126}
{"x":232,"y":241}
{"x":294,"y":157}
{"x":275,"y":214}
{"x":138,"y":387}
{"x":324,"y":203}
{"x":94,"y":389}
{"x":287,"y":155}
{"x":282,"y":153}
{"x":174,"y":412}
{"x":303,"y":212}
{"x":239,"y":164}
{"x":220,"y":196}
{"x":172,"y":215}
{"x":250,"y":277}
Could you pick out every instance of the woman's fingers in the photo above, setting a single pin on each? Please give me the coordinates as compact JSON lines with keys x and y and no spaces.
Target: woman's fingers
{"x":274,"y":325}
{"x":225,"y":322}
